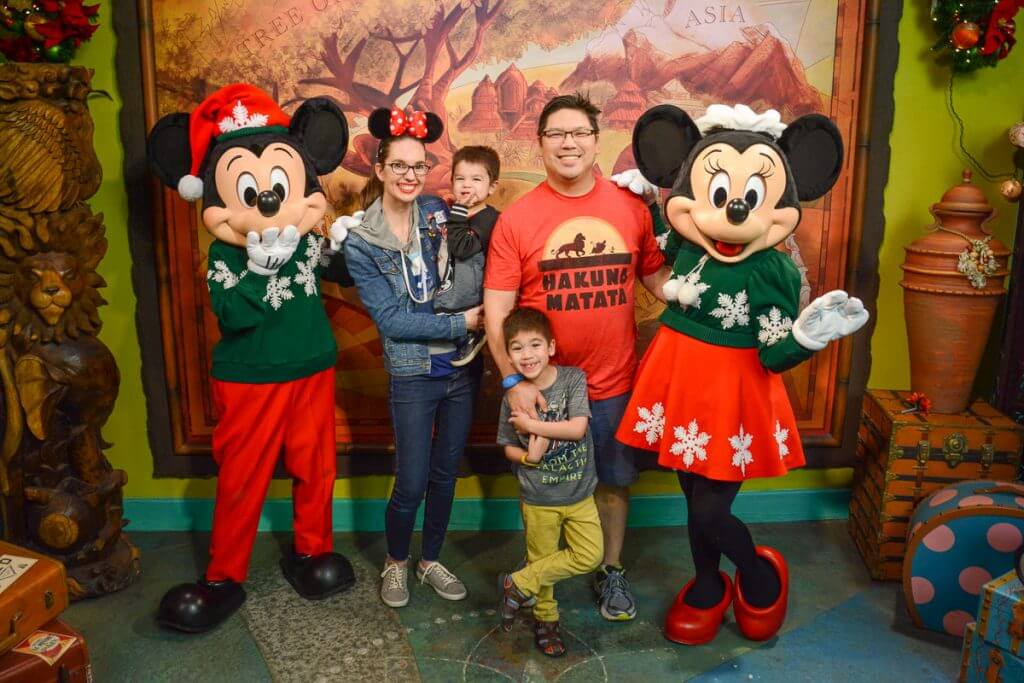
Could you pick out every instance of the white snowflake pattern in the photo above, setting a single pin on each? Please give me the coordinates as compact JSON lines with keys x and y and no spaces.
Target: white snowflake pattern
{"x":694,"y":279}
{"x":741,"y":455}
{"x":222,"y":274}
{"x":780,"y":439}
{"x":278,"y":291}
{"x":307,"y":269}
{"x":774,"y":327}
{"x":240,"y":118}
{"x":651,"y":423}
{"x":662,"y":240}
{"x":690,"y":443}
{"x":732,"y":310}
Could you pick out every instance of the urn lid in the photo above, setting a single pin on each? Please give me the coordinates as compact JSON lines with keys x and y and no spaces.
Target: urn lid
{"x":964,"y":198}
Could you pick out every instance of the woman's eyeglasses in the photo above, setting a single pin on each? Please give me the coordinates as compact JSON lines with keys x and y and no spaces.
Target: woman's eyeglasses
{"x":400,"y":168}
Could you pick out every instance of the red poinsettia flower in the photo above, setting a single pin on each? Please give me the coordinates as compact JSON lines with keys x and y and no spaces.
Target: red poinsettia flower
{"x":920,"y":402}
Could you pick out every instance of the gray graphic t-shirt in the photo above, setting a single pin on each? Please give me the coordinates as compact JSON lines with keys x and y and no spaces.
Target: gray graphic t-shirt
{"x":566,"y":473}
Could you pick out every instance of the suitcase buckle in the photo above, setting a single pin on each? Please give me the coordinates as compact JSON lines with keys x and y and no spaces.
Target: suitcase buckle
{"x":12,"y":639}
{"x":953,"y":447}
{"x":48,"y":599}
{"x":924,"y":452}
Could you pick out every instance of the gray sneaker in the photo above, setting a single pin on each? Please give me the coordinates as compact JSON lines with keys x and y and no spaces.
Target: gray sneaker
{"x":444,"y":583}
{"x":614,"y":595}
{"x":394,"y":586}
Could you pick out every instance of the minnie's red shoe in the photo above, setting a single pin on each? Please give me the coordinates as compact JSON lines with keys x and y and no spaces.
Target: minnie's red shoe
{"x":761,"y":623}
{"x":693,"y":626}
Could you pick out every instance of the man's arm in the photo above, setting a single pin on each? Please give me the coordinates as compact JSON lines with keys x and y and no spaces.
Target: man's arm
{"x":655,"y":282}
{"x":498,"y":303}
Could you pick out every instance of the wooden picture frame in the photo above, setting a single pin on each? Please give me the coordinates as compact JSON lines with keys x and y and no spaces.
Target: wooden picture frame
{"x":169,"y":285}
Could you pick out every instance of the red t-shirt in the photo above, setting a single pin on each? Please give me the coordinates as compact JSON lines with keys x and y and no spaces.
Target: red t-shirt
{"x":577,"y":259}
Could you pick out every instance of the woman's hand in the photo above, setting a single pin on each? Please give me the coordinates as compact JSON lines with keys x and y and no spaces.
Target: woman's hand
{"x":474,"y":319}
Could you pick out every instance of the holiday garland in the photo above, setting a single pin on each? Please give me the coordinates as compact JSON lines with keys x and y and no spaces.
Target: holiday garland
{"x":50,"y":30}
{"x":975,"y":33}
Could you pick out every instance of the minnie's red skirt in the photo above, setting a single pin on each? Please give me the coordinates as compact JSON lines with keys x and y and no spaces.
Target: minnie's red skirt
{"x":711,"y":410}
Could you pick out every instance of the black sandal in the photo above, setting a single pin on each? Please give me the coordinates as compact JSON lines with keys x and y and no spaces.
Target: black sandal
{"x":548,"y":638}
{"x":510,"y":600}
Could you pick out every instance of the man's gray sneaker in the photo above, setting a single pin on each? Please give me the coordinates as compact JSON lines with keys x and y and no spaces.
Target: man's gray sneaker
{"x":612,"y":588}
{"x":394,"y":586}
{"x":444,"y":583}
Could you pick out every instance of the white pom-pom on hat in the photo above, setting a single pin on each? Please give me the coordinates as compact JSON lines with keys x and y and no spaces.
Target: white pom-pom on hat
{"x":741,"y":117}
{"x":190,"y":188}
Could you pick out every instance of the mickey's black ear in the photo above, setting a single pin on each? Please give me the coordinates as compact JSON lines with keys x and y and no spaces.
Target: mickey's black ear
{"x":662,"y":140}
{"x":814,"y":150}
{"x":168,"y":149}
{"x":379,"y":123}
{"x":435,"y":127}
{"x":322,"y":128}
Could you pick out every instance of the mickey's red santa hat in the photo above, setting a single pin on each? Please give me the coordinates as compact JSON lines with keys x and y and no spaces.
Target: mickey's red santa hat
{"x":233,"y":111}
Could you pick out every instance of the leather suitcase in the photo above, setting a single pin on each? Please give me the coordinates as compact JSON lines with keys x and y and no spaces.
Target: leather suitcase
{"x":33,"y":592}
{"x":903,"y":457}
{"x":56,"y":653}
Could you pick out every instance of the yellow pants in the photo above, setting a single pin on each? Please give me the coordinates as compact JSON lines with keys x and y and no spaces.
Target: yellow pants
{"x":547,"y":564}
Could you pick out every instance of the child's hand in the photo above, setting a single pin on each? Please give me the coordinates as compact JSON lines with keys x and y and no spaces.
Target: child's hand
{"x":522,"y":422}
{"x":537,"y":448}
{"x":468,"y":198}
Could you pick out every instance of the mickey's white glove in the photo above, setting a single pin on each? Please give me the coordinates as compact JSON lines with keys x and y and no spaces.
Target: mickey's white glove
{"x":831,"y":316}
{"x":341,"y":226}
{"x":267,"y":253}
{"x":634,"y":181}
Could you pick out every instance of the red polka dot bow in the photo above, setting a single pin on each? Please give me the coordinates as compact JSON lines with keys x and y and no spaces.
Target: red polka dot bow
{"x":414,"y":124}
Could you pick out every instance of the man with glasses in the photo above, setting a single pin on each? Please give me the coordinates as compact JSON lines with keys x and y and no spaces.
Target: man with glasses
{"x":574,"y":247}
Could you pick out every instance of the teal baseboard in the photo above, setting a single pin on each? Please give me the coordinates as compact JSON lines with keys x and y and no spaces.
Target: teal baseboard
{"x":495,"y":514}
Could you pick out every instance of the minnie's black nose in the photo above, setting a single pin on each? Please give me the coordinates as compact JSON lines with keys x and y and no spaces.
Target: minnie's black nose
{"x":268,"y":203}
{"x":737,"y":211}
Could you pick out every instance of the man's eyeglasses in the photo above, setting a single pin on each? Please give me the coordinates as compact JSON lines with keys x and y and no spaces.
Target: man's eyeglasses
{"x":559,"y":135}
{"x":400,"y":168}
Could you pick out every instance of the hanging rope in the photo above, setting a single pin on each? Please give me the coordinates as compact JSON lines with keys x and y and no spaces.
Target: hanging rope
{"x":992,"y":177}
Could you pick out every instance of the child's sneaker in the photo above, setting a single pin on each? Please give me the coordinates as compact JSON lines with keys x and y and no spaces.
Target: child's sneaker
{"x":510,"y":599}
{"x":444,"y":583}
{"x":468,"y":347}
{"x":548,"y":638}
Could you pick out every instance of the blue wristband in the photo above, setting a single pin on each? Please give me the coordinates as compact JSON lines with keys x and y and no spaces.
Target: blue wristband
{"x":510,"y":381}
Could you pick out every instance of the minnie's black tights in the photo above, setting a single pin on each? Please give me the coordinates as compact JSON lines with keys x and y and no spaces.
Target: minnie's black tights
{"x":714,"y":531}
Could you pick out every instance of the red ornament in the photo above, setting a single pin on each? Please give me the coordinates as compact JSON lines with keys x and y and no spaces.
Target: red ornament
{"x":965,"y":35}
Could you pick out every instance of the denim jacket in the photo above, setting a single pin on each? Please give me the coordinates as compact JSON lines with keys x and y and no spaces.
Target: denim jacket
{"x":405,"y":326}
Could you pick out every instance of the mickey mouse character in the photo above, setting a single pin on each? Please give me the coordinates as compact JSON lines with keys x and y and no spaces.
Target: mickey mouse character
{"x":273,"y":369}
{"x":709,"y":397}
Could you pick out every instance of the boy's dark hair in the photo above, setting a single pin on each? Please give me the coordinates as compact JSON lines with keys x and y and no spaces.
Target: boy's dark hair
{"x":478,"y":154}
{"x":524,"y":319}
{"x":577,"y":101}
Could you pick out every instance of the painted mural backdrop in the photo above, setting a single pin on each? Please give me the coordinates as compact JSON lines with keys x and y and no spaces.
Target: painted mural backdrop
{"x":487,"y":67}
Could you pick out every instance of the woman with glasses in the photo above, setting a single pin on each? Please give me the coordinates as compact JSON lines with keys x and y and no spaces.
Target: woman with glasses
{"x":392,"y":254}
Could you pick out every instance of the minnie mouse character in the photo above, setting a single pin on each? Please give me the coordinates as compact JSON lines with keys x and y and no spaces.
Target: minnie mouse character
{"x":273,"y":369}
{"x":709,"y":397}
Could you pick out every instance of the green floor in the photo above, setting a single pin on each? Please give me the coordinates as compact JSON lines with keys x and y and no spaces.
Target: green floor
{"x":841,"y":625}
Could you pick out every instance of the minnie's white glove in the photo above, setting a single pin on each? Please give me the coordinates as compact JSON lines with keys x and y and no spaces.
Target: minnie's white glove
{"x":267,"y":253}
{"x":635,"y":182}
{"x":341,"y":226}
{"x":831,"y":316}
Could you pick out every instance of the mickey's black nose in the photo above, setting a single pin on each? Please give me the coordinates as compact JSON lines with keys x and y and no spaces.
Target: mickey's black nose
{"x":268,"y":203}
{"x":736,"y":211}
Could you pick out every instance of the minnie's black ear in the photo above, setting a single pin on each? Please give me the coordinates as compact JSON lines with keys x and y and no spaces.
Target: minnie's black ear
{"x":435,"y":127}
{"x":168,"y":149}
{"x":321,"y":127}
{"x":662,"y":140}
{"x":379,"y":123}
{"x":814,"y":150}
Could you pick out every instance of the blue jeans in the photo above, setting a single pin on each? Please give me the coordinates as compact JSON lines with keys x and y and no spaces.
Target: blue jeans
{"x":615,"y":461}
{"x":427,"y":462}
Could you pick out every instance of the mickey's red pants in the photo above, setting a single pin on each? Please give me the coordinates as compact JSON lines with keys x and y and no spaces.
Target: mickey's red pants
{"x":256,"y":422}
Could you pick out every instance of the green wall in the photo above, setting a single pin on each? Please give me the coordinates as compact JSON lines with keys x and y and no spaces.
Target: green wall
{"x":924,"y":163}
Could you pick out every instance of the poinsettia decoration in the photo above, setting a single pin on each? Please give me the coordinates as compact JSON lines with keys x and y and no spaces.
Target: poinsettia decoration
{"x":918,"y":403}
{"x":975,"y":33}
{"x":45,"y":30}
